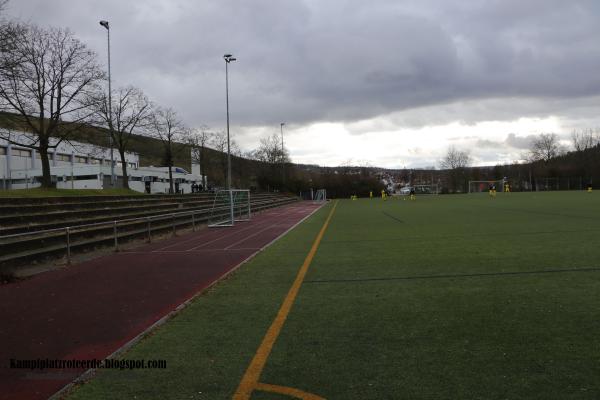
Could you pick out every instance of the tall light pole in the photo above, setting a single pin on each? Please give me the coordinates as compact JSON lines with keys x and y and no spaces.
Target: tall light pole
{"x":282,"y":156}
{"x":228,"y":58}
{"x":110,"y":124}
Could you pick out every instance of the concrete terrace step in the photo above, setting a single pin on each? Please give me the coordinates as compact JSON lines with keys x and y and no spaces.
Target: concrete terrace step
{"x":102,"y":201}
{"x":40,"y":218}
{"x":18,"y":251}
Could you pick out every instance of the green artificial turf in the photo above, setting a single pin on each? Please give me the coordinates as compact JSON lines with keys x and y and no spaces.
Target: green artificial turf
{"x":446,"y":297}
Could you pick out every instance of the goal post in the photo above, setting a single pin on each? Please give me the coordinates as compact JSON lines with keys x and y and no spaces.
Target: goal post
{"x":229,"y":207}
{"x":483,"y":186}
{"x":320,"y":195}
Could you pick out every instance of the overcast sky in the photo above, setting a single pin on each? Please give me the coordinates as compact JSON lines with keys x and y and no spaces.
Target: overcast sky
{"x":390,"y":83}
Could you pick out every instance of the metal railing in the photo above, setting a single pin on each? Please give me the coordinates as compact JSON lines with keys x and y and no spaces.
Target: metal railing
{"x":113,"y":231}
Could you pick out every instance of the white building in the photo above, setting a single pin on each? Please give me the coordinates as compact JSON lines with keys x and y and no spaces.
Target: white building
{"x":76,"y":165}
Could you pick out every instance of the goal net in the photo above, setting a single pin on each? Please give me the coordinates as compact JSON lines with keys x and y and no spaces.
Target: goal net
{"x":427,"y":189}
{"x":484,"y":186}
{"x":229,"y":207}
{"x":320,"y":195}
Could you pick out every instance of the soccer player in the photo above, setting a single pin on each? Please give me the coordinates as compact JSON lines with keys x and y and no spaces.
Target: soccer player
{"x":589,"y":187}
{"x":371,"y":194}
{"x":412,"y":194}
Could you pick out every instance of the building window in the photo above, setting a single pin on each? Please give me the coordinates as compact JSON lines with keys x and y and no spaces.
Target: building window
{"x":63,"y":157}
{"x":95,"y":161}
{"x":86,"y":177}
{"x":79,"y":159}
{"x":2,"y":151}
{"x":21,"y":153}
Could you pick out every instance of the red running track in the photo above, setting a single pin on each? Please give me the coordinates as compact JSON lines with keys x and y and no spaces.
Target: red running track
{"x":92,"y":309}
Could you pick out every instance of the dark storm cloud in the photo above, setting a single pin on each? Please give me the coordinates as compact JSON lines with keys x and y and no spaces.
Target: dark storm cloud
{"x":308,"y":61}
{"x":518,"y":142}
{"x":511,"y":143}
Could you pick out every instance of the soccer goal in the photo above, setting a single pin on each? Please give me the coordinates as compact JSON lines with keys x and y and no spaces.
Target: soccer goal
{"x":484,"y":186}
{"x":229,"y":207}
{"x":320,"y":195}
{"x":427,"y":189}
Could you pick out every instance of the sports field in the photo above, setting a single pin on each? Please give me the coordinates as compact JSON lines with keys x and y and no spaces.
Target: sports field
{"x":445,"y":297}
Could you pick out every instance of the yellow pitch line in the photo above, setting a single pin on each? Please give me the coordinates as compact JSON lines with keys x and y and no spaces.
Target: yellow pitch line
{"x":250,"y":379}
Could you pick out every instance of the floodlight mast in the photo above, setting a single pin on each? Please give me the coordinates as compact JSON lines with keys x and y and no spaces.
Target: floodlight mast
{"x":228,"y":58}
{"x":106,"y":25}
{"x":282,"y":157}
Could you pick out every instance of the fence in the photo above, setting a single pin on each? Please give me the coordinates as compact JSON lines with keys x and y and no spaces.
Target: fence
{"x":541,"y":184}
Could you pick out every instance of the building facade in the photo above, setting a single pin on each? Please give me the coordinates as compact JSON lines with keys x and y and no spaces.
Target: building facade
{"x":75,"y":165}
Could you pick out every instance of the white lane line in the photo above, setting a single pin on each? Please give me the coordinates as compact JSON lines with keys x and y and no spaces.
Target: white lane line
{"x":192,"y":251}
{"x":228,"y":235}
{"x":206,"y":233}
{"x":201,"y":235}
{"x":254,"y":234}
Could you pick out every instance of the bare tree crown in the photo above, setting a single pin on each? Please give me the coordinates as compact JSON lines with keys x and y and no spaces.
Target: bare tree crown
{"x":455,"y":159}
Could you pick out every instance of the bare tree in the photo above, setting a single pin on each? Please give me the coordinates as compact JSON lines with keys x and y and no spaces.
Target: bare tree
{"x":218,"y":141}
{"x":131,"y":110}
{"x":585,"y":139}
{"x":270,"y":151}
{"x":199,"y":140}
{"x":46,"y":78}
{"x":456,"y":161}
{"x":545,"y":147}
{"x":167,"y":127}
{"x":5,"y":27}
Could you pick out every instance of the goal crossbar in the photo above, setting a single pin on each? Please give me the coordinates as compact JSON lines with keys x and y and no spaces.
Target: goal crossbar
{"x":483,"y":186}
{"x":229,"y":207}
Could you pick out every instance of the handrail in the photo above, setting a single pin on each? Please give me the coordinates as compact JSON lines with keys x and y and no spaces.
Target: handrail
{"x":115,"y":235}
{"x":119,"y":221}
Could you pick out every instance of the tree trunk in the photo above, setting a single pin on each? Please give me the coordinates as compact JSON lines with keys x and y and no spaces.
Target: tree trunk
{"x":171,"y":189}
{"x":124,"y":169}
{"x":202,"y":163}
{"x":46,"y":178}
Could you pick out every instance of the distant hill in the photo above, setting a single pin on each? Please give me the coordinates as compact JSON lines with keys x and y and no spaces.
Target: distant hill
{"x":342,"y":180}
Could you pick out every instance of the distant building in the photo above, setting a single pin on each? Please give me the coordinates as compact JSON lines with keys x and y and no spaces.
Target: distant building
{"x":75,"y":165}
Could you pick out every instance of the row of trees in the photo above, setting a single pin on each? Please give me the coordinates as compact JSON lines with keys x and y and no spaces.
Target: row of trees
{"x":52,"y":86}
{"x":547,"y":156}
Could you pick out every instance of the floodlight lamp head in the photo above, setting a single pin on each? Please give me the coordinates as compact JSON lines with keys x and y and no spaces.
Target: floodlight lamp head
{"x":105,"y":24}
{"x":226,"y":56}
